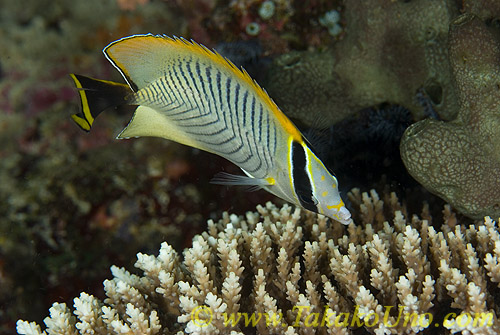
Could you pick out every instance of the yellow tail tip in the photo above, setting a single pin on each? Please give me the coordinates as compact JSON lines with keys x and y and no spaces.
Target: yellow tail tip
{"x":81,"y":122}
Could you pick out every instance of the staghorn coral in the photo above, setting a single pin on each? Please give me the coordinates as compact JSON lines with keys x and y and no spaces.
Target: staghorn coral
{"x":294,"y":266}
{"x":460,"y":160}
{"x":391,"y":50}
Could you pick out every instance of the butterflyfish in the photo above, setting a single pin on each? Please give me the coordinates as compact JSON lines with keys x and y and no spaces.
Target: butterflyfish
{"x":189,"y":94}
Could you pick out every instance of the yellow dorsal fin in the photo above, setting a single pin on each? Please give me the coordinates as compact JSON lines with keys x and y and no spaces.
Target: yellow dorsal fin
{"x":142,"y":59}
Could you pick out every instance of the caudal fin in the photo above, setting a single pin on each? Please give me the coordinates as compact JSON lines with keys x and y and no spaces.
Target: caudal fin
{"x":95,"y":96}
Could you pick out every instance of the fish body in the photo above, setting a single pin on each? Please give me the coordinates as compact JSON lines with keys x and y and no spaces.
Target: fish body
{"x":187,"y":93}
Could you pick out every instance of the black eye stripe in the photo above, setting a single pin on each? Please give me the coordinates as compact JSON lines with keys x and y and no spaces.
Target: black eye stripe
{"x":301,"y":180}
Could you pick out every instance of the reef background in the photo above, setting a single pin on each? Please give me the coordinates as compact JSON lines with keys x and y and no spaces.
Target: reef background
{"x":66,"y":214}
{"x":72,"y":204}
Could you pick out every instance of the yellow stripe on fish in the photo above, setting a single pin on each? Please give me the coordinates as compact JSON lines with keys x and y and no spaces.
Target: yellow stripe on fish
{"x":95,"y":96}
{"x":187,"y":93}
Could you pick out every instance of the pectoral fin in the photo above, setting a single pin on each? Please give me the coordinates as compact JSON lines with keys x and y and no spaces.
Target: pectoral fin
{"x":223,"y":178}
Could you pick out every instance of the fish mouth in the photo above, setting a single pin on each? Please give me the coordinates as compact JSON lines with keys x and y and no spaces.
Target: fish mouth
{"x":344,"y":216}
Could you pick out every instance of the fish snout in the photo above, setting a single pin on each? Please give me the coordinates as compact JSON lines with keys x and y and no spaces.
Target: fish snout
{"x":344,"y":216}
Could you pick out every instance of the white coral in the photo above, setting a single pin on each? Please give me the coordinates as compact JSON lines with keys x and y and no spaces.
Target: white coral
{"x":263,"y":265}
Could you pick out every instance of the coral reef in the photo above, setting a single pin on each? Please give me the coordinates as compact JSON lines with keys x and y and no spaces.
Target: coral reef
{"x":61,"y":205}
{"x":391,"y":50}
{"x":282,"y":271}
{"x":279,"y":25}
{"x":131,"y":4}
{"x":460,"y":160}
{"x":64,"y":208}
{"x":486,"y":10}
{"x":42,"y":42}
{"x":331,"y":21}
{"x":396,"y":52}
